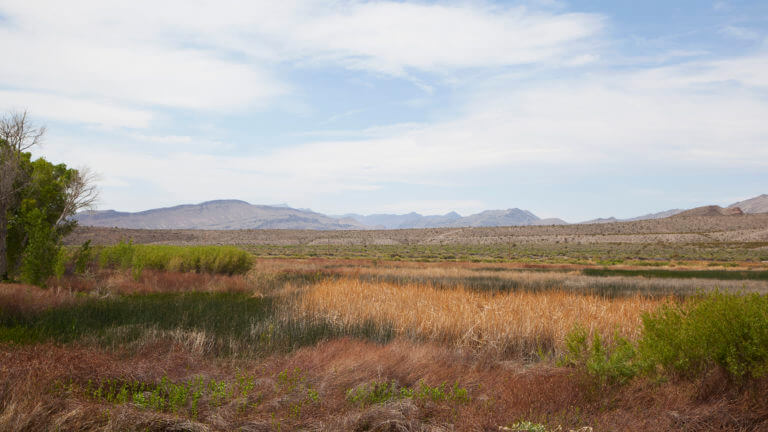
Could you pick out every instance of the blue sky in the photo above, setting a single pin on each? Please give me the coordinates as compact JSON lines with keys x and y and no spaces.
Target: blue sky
{"x":571,"y":109}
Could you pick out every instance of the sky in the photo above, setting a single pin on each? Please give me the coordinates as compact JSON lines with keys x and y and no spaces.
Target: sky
{"x":573,"y":109}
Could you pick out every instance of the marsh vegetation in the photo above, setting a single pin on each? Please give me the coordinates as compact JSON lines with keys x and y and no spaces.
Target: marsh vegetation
{"x":133,"y":337}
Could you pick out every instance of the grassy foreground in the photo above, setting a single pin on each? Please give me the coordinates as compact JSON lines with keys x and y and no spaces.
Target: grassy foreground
{"x":378,"y":346}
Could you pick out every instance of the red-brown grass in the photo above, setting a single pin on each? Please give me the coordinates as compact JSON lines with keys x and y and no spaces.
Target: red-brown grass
{"x":501,"y":394}
{"x":150,"y":281}
{"x":17,"y":299}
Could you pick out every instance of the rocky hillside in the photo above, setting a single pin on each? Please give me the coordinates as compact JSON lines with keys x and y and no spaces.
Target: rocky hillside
{"x":220,"y":215}
{"x":711,"y":210}
{"x":488,"y":218}
{"x":758,"y":204}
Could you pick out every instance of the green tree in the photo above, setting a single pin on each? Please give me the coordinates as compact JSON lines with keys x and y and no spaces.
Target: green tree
{"x":37,"y":201}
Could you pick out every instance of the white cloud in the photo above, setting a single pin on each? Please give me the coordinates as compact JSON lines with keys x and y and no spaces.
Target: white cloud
{"x":740,"y":32}
{"x":218,"y":55}
{"x":588,"y":122}
{"x":74,"y":110}
{"x":391,"y":37}
{"x":128,"y":73}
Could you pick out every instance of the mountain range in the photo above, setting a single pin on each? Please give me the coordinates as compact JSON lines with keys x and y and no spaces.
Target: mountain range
{"x":236,"y":214}
{"x":488,"y":218}
{"x":221,"y":214}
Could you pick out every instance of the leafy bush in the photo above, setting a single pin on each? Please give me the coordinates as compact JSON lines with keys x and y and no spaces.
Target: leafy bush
{"x":608,"y":364}
{"x":201,"y":259}
{"x":727,"y":330}
{"x":41,"y":253}
{"x":83,"y":257}
{"x":714,"y":330}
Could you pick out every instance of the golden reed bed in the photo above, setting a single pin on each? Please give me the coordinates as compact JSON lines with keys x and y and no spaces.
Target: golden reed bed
{"x":511,"y":324}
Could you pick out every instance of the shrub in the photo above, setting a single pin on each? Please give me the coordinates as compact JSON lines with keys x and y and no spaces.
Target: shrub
{"x":726,"y":330}
{"x":41,"y":253}
{"x":83,"y":257}
{"x":607,"y":364}
{"x":729,"y":331}
{"x":201,"y":259}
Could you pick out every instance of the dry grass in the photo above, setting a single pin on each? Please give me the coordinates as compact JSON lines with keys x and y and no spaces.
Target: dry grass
{"x":17,"y":299}
{"x":510,"y":324}
{"x":501,"y":279}
{"x":443,"y":327}
{"x":150,"y":281}
{"x":499,"y":395}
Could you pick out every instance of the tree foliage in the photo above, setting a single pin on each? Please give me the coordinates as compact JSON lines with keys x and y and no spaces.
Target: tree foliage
{"x":37,"y":200}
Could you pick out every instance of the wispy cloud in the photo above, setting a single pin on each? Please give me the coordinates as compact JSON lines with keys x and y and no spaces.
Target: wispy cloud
{"x":532,"y":88}
{"x":77,"y":110}
{"x":219,"y":56}
{"x":740,"y":32}
{"x":662,"y":117}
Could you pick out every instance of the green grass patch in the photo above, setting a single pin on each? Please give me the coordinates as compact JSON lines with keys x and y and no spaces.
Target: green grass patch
{"x":233,"y":323}
{"x":188,"y":397}
{"x":682,"y":274}
{"x":376,"y":392}
{"x":650,"y":254}
{"x":201,"y":259}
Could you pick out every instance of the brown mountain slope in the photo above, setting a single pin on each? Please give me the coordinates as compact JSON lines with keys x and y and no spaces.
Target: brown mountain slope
{"x":711,"y":210}
{"x":758,"y":204}
{"x":213,"y":215}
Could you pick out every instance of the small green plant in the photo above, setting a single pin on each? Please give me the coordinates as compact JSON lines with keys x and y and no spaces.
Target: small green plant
{"x":288,"y":381}
{"x":218,"y":392}
{"x":526,"y":426}
{"x":608,"y":365}
{"x":376,"y":392}
{"x":313,"y":394}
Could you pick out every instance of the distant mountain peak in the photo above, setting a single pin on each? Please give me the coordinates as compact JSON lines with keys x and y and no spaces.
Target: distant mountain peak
{"x":222,"y":201}
{"x":758,"y":204}
{"x":711,"y":210}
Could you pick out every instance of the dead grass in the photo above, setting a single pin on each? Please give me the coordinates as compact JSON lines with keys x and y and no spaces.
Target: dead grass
{"x":150,"y":281}
{"x":17,"y":299}
{"x":500,"y":395}
{"x":443,"y":328}
{"x":517,"y":324}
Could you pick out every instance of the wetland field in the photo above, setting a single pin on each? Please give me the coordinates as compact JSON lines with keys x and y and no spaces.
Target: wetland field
{"x":616,"y":327}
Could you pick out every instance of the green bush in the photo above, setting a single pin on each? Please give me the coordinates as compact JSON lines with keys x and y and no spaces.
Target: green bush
{"x":83,"y":257}
{"x":726,"y":330}
{"x":201,"y":259}
{"x":41,"y":253}
{"x":729,"y":331}
{"x":607,"y":364}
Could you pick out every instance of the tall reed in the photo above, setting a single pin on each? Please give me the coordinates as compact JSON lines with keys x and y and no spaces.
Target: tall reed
{"x":512,"y":324}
